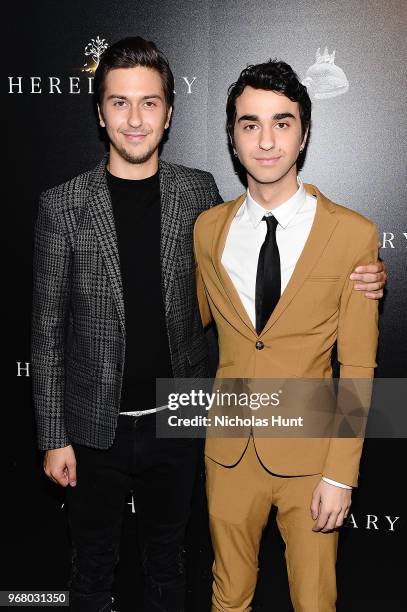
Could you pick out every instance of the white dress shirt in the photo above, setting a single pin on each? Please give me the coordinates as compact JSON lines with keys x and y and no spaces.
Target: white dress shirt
{"x":246,"y":236}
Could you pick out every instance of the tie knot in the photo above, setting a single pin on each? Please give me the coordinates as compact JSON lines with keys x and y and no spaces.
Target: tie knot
{"x":271,"y":222}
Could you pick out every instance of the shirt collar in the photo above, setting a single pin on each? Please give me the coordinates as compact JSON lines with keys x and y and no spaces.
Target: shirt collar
{"x":283,"y":213}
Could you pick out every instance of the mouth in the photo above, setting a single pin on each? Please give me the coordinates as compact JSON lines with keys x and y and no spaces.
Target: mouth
{"x":267,"y":161}
{"x":133,"y":136}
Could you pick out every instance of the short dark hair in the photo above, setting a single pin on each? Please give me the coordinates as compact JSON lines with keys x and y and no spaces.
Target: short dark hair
{"x":128,"y":53}
{"x":273,"y":75}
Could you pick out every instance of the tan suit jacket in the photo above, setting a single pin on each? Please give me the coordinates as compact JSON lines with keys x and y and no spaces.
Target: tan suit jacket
{"x":317,"y":308}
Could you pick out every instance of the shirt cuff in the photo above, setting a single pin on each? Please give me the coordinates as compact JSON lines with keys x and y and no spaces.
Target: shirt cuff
{"x":335,"y":483}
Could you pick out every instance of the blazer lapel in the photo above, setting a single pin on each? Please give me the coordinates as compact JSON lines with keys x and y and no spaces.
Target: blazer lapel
{"x":321,"y":231}
{"x":101,"y":211}
{"x":170,"y":227}
{"x":218,"y":245}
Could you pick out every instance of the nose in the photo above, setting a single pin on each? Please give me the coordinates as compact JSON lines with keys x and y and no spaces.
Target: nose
{"x":134,"y":118}
{"x":266,"y":141}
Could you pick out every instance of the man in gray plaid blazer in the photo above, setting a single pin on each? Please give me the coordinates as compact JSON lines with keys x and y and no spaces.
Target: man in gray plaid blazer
{"x":108,"y":318}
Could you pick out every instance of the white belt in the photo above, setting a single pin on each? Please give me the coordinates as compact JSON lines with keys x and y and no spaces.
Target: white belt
{"x":141,"y":412}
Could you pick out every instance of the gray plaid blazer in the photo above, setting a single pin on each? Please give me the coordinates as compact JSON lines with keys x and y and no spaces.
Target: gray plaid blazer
{"x":78,"y":322}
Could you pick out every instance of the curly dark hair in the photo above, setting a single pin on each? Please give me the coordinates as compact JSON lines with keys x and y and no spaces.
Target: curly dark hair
{"x":128,"y":53}
{"x":273,"y":75}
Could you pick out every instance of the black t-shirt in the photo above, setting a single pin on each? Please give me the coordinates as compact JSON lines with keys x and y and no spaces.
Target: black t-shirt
{"x":136,"y":209}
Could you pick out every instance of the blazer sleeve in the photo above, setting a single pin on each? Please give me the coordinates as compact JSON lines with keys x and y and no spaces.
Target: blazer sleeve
{"x":357,"y":345}
{"x":358,"y":321}
{"x":50,"y":309}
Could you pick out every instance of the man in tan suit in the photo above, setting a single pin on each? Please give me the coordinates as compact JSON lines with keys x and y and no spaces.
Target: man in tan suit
{"x":273,"y":271}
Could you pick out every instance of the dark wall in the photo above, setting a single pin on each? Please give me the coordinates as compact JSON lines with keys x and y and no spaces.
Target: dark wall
{"x":357,"y":156}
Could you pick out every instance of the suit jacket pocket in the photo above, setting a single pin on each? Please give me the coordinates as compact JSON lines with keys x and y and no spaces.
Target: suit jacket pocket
{"x":226,"y":364}
{"x":325,"y":278}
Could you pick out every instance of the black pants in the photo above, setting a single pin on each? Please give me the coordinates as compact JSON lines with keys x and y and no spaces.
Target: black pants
{"x":161,"y":474}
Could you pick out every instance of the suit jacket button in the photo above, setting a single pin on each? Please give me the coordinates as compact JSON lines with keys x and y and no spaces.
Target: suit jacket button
{"x":259,"y":345}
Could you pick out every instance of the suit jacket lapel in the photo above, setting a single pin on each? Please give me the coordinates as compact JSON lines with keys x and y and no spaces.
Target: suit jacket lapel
{"x":101,"y":211}
{"x":218,"y":245}
{"x":321,"y":231}
{"x":170,"y":227}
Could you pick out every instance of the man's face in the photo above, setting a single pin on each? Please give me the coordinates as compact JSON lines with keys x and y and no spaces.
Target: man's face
{"x":134,"y":112}
{"x":267,"y":134}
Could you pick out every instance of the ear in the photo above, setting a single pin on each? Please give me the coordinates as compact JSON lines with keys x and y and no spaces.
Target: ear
{"x":304,"y":140}
{"x":101,"y":120}
{"x":169,"y":115}
{"x":232,"y":144}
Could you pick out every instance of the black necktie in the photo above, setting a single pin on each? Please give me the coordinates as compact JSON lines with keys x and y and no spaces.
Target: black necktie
{"x":268,"y":279}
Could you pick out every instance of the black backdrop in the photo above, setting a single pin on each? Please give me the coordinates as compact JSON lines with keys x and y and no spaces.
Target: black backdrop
{"x":356,"y":156}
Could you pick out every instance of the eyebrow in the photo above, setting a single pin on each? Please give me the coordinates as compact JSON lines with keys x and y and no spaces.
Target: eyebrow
{"x":275,"y":117}
{"x":157,"y":96}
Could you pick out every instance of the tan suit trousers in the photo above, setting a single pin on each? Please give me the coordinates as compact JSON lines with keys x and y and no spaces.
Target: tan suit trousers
{"x":240,"y":500}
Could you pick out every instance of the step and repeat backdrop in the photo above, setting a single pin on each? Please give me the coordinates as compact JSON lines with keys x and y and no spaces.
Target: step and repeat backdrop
{"x":352,"y":57}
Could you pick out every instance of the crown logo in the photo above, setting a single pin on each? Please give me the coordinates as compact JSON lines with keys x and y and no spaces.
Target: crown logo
{"x":324,"y":79}
{"x":325,"y":57}
{"x":94,"y":50}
